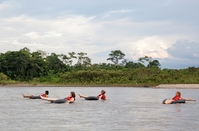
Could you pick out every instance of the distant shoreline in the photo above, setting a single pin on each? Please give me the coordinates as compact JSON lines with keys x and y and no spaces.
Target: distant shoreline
{"x":178,"y":86}
{"x":161,"y":86}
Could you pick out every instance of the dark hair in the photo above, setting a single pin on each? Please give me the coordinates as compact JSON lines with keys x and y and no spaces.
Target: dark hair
{"x":103,"y":91}
{"x":179,"y":93}
{"x":46,"y":92}
{"x":72,"y":94}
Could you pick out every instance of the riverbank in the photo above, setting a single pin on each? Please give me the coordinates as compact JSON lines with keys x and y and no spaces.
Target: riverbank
{"x":67,"y":85}
{"x":178,"y":86}
{"x":161,"y":86}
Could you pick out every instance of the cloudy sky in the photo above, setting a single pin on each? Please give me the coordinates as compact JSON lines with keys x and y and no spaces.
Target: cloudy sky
{"x":166,"y":30}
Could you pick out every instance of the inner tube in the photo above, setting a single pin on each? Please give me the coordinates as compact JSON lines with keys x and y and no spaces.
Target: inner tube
{"x":90,"y":98}
{"x":35,"y":97}
{"x":174,"y":102}
{"x":59,"y":101}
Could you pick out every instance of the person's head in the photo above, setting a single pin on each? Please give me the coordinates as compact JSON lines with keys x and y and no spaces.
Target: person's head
{"x":103,"y":92}
{"x":46,"y":92}
{"x":72,"y":94}
{"x":178,"y":93}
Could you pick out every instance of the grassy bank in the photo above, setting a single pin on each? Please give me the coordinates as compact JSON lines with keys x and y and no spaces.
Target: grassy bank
{"x":141,"y":77}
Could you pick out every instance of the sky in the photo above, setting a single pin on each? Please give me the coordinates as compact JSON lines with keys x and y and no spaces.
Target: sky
{"x":166,"y":30}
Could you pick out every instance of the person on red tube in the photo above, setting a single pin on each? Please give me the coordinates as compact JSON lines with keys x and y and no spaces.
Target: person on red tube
{"x":69,"y":99}
{"x":177,"y":97}
{"x":36,"y":97}
{"x":101,"y":96}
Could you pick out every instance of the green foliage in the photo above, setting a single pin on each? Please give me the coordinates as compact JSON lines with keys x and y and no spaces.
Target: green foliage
{"x":24,"y":66}
{"x":40,"y":68}
{"x":150,"y":63}
{"x":3,"y":77}
{"x":133,"y":77}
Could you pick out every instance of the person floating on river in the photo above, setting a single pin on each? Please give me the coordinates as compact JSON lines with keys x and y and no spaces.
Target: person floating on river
{"x":101,"y":96}
{"x":178,"y":97}
{"x":69,"y":99}
{"x":37,"y":97}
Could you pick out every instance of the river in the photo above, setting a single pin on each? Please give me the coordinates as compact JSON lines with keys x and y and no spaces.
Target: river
{"x":129,"y":109}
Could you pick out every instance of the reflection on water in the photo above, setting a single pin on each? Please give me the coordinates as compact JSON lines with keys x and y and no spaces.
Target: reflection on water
{"x":137,"y":109}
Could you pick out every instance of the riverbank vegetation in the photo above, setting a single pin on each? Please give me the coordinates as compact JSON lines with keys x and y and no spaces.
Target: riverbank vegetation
{"x":39,"y":67}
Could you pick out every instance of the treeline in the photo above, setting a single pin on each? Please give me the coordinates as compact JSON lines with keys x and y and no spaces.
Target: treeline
{"x":76,"y":69}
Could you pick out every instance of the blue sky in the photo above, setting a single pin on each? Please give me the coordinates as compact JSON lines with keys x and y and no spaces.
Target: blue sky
{"x":166,"y":30}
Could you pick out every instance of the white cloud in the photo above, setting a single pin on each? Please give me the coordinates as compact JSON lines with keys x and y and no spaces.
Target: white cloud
{"x":85,"y":34}
{"x":152,"y":46}
{"x":115,"y":12}
{"x":120,"y":11}
{"x":32,"y":35}
{"x":4,"y":5}
{"x":25,"y":30}
{"x":147,"y":29}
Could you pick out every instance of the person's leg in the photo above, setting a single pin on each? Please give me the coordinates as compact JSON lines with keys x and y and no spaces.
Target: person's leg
{"x":48,"y":99}
{"x":168,"y":101}
{"x":82,"y":96}
{"x":24,"y":96}
{"x":35,"y":97}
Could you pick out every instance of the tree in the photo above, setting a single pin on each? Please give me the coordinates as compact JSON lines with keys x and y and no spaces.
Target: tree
{"x":15,"y":64}
{"x":145,"y":60}
{"x":71,"y":56}
{"x":149,"y":62}
{"x":124,"y":61}
{"x":54,"y":64}
{"x":25,"y":49}
{"x":64,"y":59}
{"x":154,"y":64}
{"x":43,"y":54}
{"x":83,"y":60}
{"x":116,"y":56}
{"x":131,"y":64}
{"x":37,"y":64}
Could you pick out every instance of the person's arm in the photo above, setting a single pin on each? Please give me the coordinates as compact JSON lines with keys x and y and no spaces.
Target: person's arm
{"x":71,"y":100}
{"x":188,"y":99}
{"x":47,"y":99}
{"x":103,"y":97}
{"x":99,"y":96}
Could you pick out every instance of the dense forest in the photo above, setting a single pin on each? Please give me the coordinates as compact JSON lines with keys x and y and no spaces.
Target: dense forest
{"x":39,"y":67}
